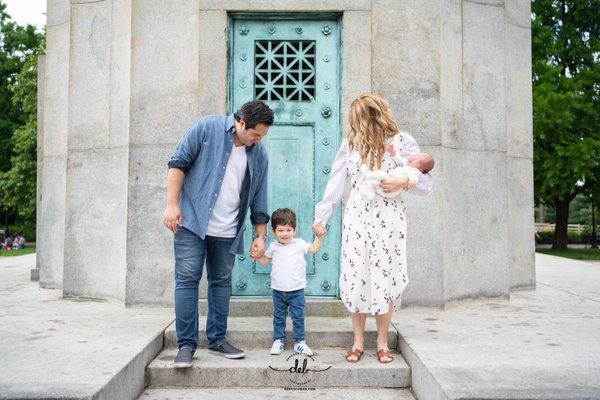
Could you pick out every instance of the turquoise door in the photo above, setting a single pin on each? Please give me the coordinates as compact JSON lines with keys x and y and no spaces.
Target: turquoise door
{"x":292,"y":65}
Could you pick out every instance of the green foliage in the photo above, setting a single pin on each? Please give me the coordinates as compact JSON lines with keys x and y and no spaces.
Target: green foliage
{"x":566,"y":77}
{"x":19,"y":47}
{"x":583,"y":236}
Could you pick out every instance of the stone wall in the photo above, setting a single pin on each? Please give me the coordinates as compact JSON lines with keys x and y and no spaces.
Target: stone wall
{"x":125,"y":78}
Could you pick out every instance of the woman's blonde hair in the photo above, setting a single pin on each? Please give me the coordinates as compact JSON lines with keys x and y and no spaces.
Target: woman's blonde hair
{"x":371,"y":124}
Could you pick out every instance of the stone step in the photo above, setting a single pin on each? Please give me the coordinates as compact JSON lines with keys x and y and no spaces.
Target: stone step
{"x":263,"y":307}
{"x":327,"y":368}
{"x":257,"y":333}
{"x":153,"y":393}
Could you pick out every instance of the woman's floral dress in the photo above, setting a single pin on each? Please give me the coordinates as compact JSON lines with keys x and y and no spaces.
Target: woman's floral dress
{"x":373,"y":263}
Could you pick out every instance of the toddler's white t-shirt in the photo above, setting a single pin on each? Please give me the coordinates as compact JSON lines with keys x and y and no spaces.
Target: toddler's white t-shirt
{"x":288,"y":266}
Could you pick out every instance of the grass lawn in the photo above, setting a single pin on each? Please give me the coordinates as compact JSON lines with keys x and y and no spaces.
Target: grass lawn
{"x":577,"y":254}
{"x":20,"y":252}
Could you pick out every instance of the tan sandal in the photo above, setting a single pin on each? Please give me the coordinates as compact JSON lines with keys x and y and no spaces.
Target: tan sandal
{"x":354,"y":352}
{"x":384,"y":353}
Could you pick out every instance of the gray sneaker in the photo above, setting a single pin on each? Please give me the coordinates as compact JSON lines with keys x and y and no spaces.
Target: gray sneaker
{"x":225,"y":349}
{"x":184,"y":358}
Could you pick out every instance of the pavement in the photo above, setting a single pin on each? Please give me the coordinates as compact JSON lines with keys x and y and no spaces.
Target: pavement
{"x":53,"y":348}
{"x":540,"y":344}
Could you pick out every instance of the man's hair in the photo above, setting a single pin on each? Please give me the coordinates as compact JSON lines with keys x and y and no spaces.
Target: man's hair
{"x":283,"y":216}
{"x":254,"y":112}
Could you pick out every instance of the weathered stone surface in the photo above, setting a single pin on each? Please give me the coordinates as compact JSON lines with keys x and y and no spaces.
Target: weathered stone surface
{"x":96,"y":217}
{"x":474,"y":225}
{"x":483,"y":117}
{"x":321,"y":332}
{"x":125,"y":82}
{"x":451,"y":70}
{"x":518,"y":12}
{"x":406,"y":71}
{"x":51,"y":225}
{"x":57,"y":13}
{"x":52,"y":142}
{"x":425,"y":241}
{"x":287,"y":5}
{"x":521,"y":229}
{"x":268,"y":393}
{"x":89,"y":99}
{"x":356,"y":74}
{"x":253,"y":370}
{"x":164,"y":92}
{"x":213,"y":62}
{"x":519,"y":130}
{"x":150,"y":276}
{"x":41,"y":99}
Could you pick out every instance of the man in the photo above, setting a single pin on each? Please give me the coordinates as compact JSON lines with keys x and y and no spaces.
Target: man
{"x":217,"y":171}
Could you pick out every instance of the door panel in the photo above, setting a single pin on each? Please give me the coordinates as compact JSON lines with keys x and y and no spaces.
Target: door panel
{"x":293,"y":66}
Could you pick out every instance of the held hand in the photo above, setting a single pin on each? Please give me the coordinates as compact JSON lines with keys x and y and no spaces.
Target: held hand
{"x":172,"y":217}
{"x":257,"y":249}
{"x":393,"y":183}
{"x":410,"y":185}
{"x":318,"y":229}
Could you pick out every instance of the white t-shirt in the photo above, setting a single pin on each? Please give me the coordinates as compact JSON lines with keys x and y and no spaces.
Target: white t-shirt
{"x":288,"y":266}
{"x":224,"y":219}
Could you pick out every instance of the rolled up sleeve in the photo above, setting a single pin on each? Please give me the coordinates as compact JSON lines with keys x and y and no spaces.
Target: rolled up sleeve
{"x":188,"y":148}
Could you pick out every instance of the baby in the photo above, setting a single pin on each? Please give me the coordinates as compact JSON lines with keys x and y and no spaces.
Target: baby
{"x":288,"y":278}
{"x":416,"y":165}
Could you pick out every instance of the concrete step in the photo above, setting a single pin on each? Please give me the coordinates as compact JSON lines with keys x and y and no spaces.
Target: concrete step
{"x":257,"y":333}
{"x":263,"y":307}
{"x":275,"y":393}
{"x":327,"y":368}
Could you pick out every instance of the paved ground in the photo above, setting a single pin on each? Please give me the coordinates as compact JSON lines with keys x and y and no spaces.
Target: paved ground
{"x":542,"y":344}
{"x":52,"y":348}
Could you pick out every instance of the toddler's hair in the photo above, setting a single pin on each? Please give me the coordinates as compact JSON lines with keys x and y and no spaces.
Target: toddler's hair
{"x":283,"y":216}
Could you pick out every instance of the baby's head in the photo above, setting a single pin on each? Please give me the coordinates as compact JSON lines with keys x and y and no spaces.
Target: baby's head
{"x":283,"y":222}
{"x":421,"y":161}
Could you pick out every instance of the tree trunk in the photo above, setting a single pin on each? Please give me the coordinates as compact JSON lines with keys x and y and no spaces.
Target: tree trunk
{"x":562,"y":221}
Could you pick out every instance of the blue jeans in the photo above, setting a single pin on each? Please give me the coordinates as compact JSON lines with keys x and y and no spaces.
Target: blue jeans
{"x":190,"y":253}
{"x":295,"y":301}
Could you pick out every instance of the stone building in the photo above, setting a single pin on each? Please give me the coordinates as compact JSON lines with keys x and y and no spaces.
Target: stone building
{"x":123,"y":79}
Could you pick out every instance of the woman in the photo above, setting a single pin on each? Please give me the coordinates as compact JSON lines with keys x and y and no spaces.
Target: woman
{"x":373,"y":273}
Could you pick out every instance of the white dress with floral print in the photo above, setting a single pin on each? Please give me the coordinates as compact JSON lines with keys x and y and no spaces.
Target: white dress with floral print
{"x":373,"y":263}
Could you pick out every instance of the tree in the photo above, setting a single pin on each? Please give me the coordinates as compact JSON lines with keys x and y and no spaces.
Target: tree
{"x":19,"y":47}
{"x":566,"y":76}
{"x":18,"y":184}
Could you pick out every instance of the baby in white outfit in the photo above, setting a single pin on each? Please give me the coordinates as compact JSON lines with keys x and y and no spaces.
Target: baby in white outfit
{"x":416,"y":165}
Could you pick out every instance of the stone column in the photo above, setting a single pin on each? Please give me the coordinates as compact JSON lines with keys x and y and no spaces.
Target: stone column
{"x":475,"y":207}
{"x":406,"y":72}
{"x":98,"y":151}
{"x":519,"y":150}
{"x":164,"y":102}
{"x":458,"y":79}
{"x":52,"y":141}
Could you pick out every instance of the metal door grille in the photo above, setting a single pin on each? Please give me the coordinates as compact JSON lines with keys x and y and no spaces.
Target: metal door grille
{"x":284,"y":70}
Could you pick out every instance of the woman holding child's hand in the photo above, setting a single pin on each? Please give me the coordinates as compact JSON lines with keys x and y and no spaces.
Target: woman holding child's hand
{"x":373,"y":272}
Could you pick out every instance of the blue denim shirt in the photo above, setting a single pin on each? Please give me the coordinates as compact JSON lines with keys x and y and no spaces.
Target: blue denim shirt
{"x":203,"y":153}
